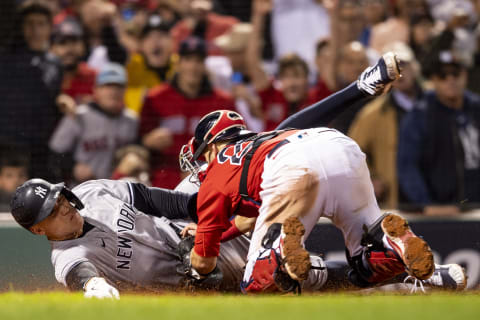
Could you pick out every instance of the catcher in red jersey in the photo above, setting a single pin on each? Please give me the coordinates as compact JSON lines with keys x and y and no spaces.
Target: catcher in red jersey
{"x":287,"y":180}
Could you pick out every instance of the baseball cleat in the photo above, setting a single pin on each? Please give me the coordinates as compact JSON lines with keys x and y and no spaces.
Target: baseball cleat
{"x":414,"y":251}
{"x":377,"y":79}
{"x":294,"y":256}
{"x":449,"y":277}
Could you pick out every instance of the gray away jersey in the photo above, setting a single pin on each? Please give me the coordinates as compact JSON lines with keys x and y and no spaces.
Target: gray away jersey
{"x":131,"y":249}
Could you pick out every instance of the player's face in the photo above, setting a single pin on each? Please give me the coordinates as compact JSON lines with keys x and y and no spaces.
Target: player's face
{"x":64,"y":223}
{"x":156,"y":47}
{"x":294,"y":84}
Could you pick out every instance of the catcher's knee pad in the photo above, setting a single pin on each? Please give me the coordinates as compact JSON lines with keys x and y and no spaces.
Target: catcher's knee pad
{"x":268,"y":274}
{"x":376,"y":263}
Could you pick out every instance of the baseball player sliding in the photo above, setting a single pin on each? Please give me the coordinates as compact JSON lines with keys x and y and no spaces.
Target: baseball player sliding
{"x":116,"y":234}
{"x":287,"y":180}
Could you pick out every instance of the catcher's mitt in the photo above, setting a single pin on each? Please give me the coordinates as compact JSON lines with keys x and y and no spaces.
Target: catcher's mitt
{"x":193,"y":279}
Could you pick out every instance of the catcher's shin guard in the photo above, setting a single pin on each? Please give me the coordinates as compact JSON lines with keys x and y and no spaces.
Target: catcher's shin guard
{"x":373,"y":267}
{"x":269,"y":273}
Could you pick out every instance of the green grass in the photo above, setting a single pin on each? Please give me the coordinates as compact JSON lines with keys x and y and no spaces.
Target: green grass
{"x":60,"y":305}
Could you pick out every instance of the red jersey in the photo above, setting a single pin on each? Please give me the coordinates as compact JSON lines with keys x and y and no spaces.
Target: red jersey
{"x":166,"y":107}
{"x":81,"y":84}
{"x":276,"y":108}
{"x":219,"y":198}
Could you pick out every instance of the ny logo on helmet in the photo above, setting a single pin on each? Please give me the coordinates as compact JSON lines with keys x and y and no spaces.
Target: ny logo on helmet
{"x":41,"y":192}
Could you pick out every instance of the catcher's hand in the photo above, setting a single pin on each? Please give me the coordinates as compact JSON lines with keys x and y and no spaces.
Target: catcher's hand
{"x":97,"y":287}
{"x":194,"y":279}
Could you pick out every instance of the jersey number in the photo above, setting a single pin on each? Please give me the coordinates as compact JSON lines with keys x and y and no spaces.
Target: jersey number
{"x":234,"y":153}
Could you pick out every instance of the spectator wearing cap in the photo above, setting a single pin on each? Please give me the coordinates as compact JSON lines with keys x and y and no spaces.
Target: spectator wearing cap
{"x":385,"y":114}
{"x":98,"y":128}
{"x":78,"y":77}
{"x":439,"y":147}
{"x":199,"y":21}
{"x":152,"y":65}
{"x":172,"y":110}
{"x":30,"y":81}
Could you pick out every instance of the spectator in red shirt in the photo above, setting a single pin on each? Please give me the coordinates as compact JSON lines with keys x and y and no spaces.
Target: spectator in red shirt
{"x":200,"y":21}
{"x":78,"y":77}
{"x":171,"y":111}
{"x":292,"y":92}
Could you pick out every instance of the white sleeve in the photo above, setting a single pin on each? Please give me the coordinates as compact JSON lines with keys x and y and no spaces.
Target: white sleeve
{"x":119,"y":189}
{"x":64,"y":260}
{"x":186,"y":186}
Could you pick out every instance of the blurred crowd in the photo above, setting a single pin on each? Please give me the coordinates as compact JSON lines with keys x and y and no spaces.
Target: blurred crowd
{"x":113,"y":89}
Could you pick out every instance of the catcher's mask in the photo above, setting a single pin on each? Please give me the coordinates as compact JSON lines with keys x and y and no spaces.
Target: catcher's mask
{"x":220,"y":125}
{"x":34,"y":201}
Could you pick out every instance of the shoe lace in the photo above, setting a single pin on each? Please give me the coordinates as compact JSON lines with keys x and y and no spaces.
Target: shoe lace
{"x":416,"y":283}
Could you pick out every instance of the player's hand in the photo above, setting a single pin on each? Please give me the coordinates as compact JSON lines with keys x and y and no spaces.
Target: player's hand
{"x":97,"y":287}
{"x":189,"y":230}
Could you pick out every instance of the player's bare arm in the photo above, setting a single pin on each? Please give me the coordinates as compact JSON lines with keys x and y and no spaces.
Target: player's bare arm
{"x":203,"y":265}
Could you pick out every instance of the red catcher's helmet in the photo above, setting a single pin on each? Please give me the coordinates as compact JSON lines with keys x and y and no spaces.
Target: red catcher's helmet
{"x":220,"y":125}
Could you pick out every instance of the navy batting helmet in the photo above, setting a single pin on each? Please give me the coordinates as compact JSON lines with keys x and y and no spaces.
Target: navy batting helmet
{"x":220,"y":125}
{"x":34,"y":201}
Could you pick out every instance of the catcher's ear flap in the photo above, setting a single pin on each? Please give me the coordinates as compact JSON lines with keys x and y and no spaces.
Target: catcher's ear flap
{"x":73,"y":199}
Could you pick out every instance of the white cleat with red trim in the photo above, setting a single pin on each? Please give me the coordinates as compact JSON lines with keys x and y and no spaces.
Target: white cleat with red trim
{"x":413,"y":250}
